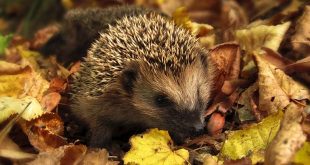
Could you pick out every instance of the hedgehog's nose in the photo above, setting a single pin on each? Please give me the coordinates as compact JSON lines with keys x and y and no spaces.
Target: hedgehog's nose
{"x":199,"y":128}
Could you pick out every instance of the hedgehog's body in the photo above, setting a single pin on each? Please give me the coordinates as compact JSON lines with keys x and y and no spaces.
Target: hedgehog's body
{"x":145,"y":72}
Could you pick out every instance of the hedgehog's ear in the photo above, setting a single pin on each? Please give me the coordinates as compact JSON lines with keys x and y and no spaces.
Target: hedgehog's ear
{"x":129,"y":76}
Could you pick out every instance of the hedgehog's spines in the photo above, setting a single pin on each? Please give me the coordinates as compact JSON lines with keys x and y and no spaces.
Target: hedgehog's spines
{"x":150,"y":38}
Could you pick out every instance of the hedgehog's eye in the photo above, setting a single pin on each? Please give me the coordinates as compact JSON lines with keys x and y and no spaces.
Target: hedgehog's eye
{"x":162,"y":100}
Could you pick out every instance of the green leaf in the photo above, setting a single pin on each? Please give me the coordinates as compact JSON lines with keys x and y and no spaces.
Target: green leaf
{"x":4,"y":42}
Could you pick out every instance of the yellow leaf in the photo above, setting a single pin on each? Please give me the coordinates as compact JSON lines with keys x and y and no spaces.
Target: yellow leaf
{"x":23,"y":82}
{"x":27,"y":53}
{"x":243,"y":143}
{"x":254,"y":38}
{"x":261,"y":36}
{"x":10,"y":106}
{"x":276,"y":88}
{"x":154,"y":147}
{"x":303,"y":155}
{"x":204,"y":32}
{"x":13,"y":84}
{"x":68,"y":4}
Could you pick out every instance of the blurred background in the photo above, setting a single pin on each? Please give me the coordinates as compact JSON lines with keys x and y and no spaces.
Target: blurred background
{"x":25,"y":17}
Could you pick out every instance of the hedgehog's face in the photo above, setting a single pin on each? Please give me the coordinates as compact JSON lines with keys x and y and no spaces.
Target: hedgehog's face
{"x":170,"y":102}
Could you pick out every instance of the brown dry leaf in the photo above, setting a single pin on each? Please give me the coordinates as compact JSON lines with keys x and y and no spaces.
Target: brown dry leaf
{"x":75,"y":67}
{"x":301,"y":39}
{"x":225,"y":56}
{"x":97,"y":157}
{"x":44,"y":132}
{"x":275,"y":88}
{"x":73,"y":154}
{"x":302,"y":65}
{"x":11,"y":150}
{"x":243,"y":161}
{"x":9,"y":68}
{"x":50,"y":101}
{"x":227,"y":67}
{"x":8,"y":148}
{"x":68,"y":154}
{"x":275,"y":58}
{"x":43,"y":35}
{"x":58,"y":85}
{"x":222,"y":103}
{"x":232,"y":17}
{"x":248,"y":111}
{"x":289,"y":138}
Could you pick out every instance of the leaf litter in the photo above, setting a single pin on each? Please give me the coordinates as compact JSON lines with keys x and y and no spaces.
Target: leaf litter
{"x":258,"y":113}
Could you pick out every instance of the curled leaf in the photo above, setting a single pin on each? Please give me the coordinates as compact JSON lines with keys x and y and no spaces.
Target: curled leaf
{"x":44,"y":132}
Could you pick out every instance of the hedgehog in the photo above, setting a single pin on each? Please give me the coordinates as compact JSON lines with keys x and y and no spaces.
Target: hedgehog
{"x":143,"y":71}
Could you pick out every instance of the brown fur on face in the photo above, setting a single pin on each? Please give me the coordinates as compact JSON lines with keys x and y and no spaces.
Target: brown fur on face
{"x":188,"y":92}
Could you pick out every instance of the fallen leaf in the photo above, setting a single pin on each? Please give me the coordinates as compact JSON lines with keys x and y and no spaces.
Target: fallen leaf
{"x":10,"y":106}
{"x":303,"y":154}
{"x":210,"y":160}
{"x":248,"y":109}
{"x":50,"y":101}
{"x":23,"y":83}
{"x":97,"y":157}
{"x":243,"y":161}
{"x":9,"y":68}
{"x":242,"y":143}
{"x":154,"y":147}
{"x":302,"y":65}
{"x":58,"y":85}
{"x":8,"y":148}
{"x":275,"y":58}
{"x":14,"y":84}
{"x":254,"y":38}
{"x":225,"y":56}
{"x":43,"y":35}
{"x":289,"y":138}
{"x":11,"y":150}
{"x":68,"y":154}
{"x":45,"y":132}
{"x":213,"y":141}
{"x":276,"y":88}
{"x":204,"y":32}
{"x":300,"y":41}
{"x":233,"y":17}
{"x":75,"y":67}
